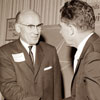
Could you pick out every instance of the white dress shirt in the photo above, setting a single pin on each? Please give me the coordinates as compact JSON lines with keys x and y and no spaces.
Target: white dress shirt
{"x":79,"y":50}
{"x":26,"y":46}
{"x":1,"y":97}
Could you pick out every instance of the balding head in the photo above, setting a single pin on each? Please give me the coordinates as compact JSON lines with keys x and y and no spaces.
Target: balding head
{"x":23,"y":16}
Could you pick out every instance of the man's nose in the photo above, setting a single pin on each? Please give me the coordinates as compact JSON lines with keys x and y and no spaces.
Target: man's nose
{"x":35,"y":30}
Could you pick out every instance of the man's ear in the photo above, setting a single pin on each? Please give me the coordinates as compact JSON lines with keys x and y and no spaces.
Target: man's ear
{"x":72,"y":29}
{"x":17,"y":28}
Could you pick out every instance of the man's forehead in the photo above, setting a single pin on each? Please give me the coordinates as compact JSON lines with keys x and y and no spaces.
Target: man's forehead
{"x":28,"y":14}
{"x":25,"y":12}
{"x":29,"y":17}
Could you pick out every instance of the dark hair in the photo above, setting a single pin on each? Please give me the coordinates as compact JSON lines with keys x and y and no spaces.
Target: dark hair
{"x":79,"y":13}
{"x":17,"y":16}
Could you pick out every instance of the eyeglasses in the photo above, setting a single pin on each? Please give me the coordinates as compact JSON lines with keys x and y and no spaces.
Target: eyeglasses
{"x":31,"y":26}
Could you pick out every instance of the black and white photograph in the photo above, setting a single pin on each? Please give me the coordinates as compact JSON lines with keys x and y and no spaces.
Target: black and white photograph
{"x":49,"y":49}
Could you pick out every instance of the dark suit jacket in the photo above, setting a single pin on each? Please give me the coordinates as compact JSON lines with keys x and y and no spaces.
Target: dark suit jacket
{"x":19,"y":80}
{"x":86,"y":80}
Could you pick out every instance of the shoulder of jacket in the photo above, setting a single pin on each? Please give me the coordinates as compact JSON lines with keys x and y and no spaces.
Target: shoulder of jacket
{"x":46,"y":45}
{"x":92,"y":56}
{"x":8,"y":45}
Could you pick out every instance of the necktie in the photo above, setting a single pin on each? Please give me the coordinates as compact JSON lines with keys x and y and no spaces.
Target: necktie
{"x":31,"y":54}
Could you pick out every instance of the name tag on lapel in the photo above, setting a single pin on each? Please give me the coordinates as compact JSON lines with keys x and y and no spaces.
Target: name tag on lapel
{"x":18,"y":57}
{"x":48,"y":68}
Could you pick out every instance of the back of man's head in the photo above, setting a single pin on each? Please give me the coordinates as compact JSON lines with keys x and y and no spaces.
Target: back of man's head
{"x":78,"y":13}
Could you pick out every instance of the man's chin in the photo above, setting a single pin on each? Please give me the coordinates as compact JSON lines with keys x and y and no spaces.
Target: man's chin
{"x":34,"y":43}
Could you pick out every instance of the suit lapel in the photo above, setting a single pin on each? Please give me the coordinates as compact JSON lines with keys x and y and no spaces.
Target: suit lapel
{"x":20,"y":48}
{"x":85,"y":51}
{"x":39,"y":58}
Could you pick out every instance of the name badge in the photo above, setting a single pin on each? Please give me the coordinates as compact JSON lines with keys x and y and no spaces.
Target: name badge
{"x":18,"y":57}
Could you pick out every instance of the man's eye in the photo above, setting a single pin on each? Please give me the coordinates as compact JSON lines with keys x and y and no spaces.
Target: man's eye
{"x":30,"y":26}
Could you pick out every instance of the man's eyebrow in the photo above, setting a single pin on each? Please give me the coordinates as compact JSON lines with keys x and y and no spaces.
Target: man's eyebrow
{"x":39,"y":24}
{"x":36,"y":25}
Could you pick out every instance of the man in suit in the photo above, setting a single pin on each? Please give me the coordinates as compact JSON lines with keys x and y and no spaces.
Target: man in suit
{"x":29,"y":74}
{"x":77,"y":28}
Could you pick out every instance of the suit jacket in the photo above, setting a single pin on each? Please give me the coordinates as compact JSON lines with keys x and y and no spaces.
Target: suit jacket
{"x":20,"y":80}
{"x":86,"y":80}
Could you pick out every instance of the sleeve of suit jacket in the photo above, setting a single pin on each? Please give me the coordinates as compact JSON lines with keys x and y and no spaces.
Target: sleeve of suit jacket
{"x":92,"y":76}
{"x":8,"y":86}
{"x":57,"y":78}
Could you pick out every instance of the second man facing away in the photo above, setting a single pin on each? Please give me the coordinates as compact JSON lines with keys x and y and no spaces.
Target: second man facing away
{"x":78,"y":29}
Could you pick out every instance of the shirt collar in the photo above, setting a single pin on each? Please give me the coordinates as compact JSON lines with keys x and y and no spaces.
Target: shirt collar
{"x":81,"y":46}
{"x":26,"y":45}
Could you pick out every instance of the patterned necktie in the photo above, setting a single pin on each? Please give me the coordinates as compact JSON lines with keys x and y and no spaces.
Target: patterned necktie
{"x":31,"y":54}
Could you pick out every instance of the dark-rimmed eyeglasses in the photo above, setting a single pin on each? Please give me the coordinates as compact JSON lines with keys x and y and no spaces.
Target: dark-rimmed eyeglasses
{"x":31,"y":26}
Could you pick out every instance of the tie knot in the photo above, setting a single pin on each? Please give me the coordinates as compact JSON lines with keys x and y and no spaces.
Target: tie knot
{"x":30,"y":47}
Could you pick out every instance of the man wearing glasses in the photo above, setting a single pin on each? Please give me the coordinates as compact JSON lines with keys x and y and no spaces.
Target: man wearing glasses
{"x":29,"y":69}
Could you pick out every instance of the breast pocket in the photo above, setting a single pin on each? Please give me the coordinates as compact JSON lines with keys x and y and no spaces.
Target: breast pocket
{"x":48,"y":73}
